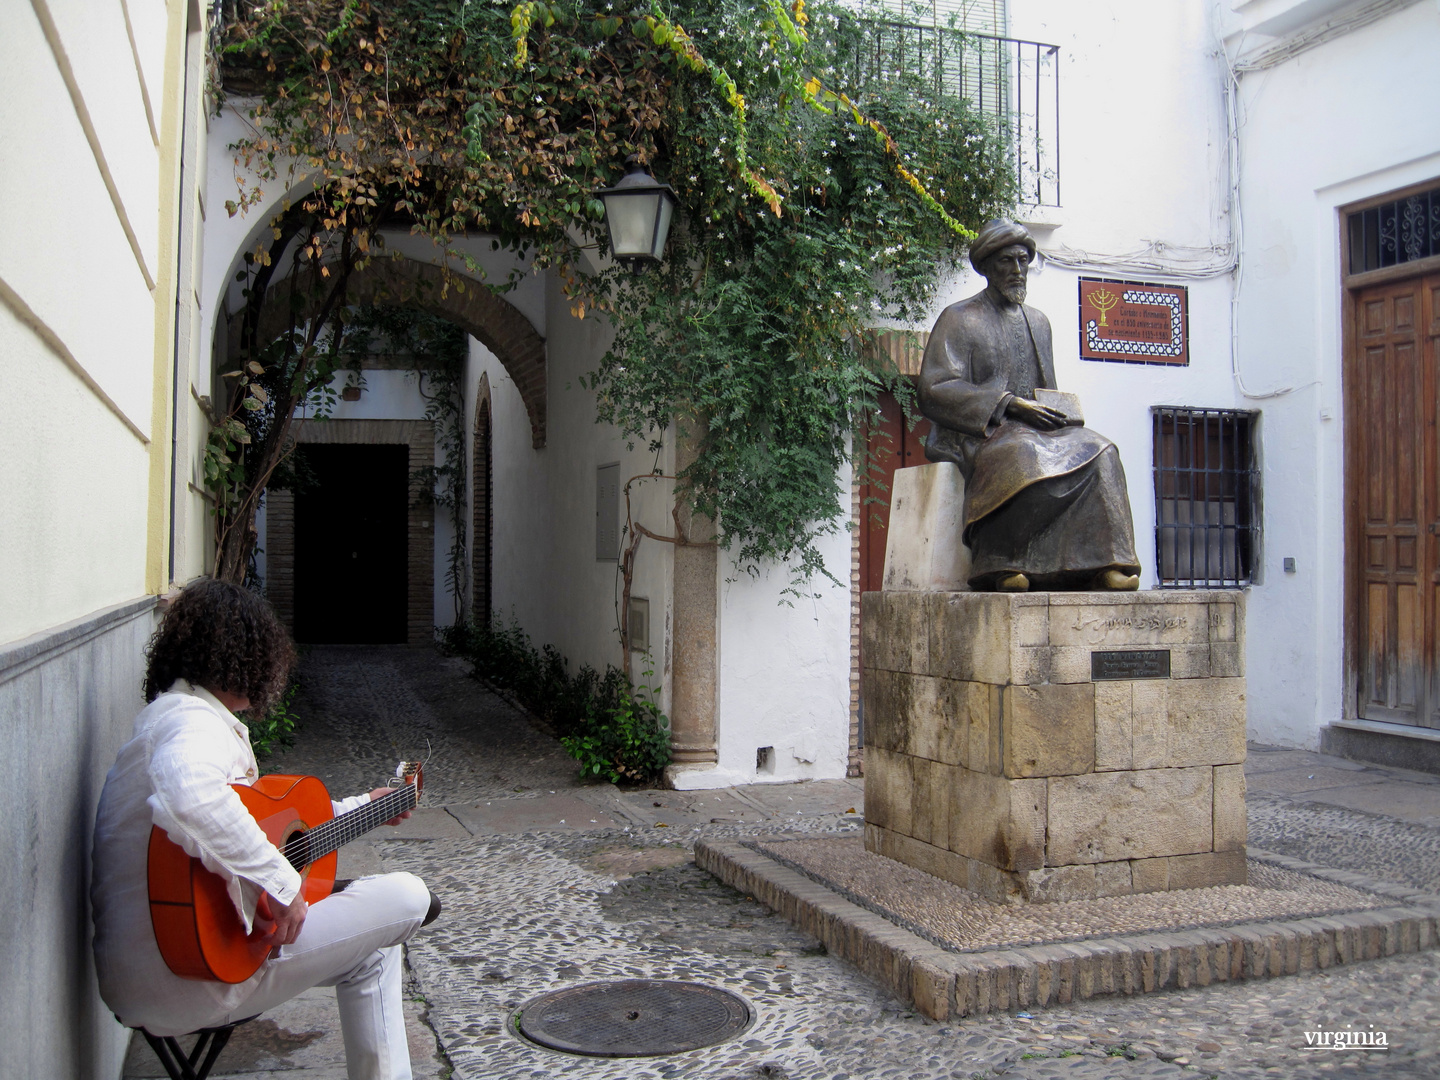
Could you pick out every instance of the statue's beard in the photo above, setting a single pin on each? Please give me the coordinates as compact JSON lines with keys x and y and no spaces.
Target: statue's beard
{"x":1013,"y":293}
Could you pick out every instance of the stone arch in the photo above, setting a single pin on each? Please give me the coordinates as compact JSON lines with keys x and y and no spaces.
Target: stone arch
{"x":494,"y":322}
{"x":482,"y":505}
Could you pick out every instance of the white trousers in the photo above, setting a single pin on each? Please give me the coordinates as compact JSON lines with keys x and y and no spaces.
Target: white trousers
{"x":351,"y":941}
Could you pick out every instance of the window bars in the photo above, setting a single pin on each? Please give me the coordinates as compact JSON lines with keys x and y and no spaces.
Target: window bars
{"x":1207,"y":497}
{"x":1016,"y":82}
{"x":1395,"y":232}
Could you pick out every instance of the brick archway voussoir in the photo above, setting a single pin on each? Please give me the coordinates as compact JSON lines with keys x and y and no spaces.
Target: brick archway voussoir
{"x":493,"y":321}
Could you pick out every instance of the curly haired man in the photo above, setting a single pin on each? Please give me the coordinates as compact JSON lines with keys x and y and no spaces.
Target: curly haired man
{"x":221,"y":652}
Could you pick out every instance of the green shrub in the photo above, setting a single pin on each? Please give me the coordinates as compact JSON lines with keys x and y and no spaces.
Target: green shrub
{"x":624,"y":737}
{"x":276,"y":729}
{"x":601,"y":720}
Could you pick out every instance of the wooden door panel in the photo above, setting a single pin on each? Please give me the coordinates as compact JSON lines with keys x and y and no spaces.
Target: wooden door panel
{"x":1406,"y":686}
{"x":1374,"y":436}
{"x":1405,"y":434}
{"x":1395,"y":549}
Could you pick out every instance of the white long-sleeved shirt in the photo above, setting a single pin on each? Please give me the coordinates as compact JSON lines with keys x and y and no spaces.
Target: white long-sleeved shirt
{"x":175,"y":772}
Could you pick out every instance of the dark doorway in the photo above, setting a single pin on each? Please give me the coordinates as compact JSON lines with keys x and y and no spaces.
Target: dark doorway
{"x":351,"y":551}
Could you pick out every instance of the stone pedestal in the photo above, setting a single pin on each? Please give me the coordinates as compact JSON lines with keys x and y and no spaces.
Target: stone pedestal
{"x":927,"y":513}
{"x":1057,"y":746}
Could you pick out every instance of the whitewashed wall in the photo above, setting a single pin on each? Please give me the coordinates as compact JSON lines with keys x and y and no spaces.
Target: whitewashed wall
{"x":784,"y":672}
{"x":1334,"y":125}
{"x":545,"y":574}
{"x":1144,"y":158}
{"x":95,"y":308}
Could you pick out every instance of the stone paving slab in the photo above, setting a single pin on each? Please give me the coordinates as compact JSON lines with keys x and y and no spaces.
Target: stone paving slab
{"x":424,"y":823}
{"x":958,"y":920}
{"x":1263,"y":759}
{"x":494,"y":816}
{"x":1310,"y":778}
{"x":1410,"y":803}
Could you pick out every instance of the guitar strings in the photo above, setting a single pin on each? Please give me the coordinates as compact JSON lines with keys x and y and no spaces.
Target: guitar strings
{"x":331,"y":835}
{"x":361,"y":819}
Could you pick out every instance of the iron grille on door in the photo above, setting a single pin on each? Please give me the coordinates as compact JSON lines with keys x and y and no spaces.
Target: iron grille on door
{"x":1207,"y":497}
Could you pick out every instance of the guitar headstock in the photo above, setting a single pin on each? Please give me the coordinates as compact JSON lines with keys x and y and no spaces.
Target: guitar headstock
{"x":412,"y":773}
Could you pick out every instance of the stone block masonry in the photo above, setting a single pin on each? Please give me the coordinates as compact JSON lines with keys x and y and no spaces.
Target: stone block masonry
{"x":1057,"y":746}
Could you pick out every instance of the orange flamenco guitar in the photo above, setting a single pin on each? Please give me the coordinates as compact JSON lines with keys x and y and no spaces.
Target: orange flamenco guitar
{"x":196,"y":926}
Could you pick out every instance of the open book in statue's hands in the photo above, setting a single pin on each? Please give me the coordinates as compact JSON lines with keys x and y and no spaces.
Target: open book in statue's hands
{"x":1060,"y":401}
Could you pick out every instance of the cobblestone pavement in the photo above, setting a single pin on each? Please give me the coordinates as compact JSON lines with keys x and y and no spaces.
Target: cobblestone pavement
{"x":549,"y":882}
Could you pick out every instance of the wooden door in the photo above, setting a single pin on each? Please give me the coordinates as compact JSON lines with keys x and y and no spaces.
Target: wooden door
{"x":1395,"y":480}
{"x":893,"y":446}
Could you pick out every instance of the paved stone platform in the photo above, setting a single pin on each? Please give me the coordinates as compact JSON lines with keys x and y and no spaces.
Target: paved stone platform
{"x":533,"y":905}
{"x":1034,"y":958}
{"x":957,"y":920}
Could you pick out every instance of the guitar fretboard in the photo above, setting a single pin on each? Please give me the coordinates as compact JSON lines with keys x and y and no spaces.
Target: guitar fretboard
{"x":339,"y":831}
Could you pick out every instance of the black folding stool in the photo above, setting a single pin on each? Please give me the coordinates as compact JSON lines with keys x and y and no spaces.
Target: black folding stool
{"x":179,"y":1064}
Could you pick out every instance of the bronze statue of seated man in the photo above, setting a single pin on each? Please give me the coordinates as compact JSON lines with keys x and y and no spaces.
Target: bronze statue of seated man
{"x":1045,"y":499}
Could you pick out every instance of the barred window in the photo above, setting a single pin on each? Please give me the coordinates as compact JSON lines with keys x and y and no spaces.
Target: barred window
{"x":1395,"y":232}
{"x":1207,"y":497}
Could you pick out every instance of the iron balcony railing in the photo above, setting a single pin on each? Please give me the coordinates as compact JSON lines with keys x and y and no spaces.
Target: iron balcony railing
{"x":1015,"y":81}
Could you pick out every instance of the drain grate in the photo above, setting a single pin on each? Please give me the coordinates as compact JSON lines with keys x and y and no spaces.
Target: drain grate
{"x":634,"y":1018}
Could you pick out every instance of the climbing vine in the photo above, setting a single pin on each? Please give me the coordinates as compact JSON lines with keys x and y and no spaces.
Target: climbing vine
{"x":815,"y":201}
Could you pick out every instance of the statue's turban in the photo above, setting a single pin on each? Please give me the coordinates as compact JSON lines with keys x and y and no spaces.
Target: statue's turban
{"x":996,"y":236}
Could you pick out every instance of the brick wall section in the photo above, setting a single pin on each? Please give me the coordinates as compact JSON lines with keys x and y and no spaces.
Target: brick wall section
{"x":481,"y":504}
{"x":496,"y":323}
{"x":419,"y":435}
{"x":280,"y":554}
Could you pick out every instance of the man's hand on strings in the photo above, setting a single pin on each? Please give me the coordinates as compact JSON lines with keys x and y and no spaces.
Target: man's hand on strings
{"x":380,"y":793}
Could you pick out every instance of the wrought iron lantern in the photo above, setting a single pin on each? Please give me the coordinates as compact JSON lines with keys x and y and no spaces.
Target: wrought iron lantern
{"x":638,"y":211}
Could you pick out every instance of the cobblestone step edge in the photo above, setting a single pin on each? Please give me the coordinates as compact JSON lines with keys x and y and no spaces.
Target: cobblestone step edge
{"x":942,"y":984}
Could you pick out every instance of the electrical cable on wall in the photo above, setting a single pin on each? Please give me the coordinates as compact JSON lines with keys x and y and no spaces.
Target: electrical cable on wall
{"x":1157,"y":257}
{"x":1191,"y":263}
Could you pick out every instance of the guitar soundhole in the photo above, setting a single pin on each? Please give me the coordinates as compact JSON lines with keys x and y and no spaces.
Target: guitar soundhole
{"x":297,"y":849}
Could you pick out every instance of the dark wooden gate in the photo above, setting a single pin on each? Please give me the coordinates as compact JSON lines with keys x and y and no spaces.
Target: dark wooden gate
{"x":1394,"y":481}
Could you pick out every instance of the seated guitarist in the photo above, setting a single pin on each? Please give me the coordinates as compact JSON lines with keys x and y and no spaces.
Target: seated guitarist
{"x":219,"y":652}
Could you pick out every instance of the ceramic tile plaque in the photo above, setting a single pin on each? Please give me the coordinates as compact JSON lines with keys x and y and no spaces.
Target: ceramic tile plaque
{"x":1134,"y":322}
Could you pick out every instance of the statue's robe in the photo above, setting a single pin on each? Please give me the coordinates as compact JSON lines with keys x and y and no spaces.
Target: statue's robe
{"x":1049,"y":504}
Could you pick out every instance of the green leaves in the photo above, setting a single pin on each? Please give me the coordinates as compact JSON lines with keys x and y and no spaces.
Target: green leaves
{"x":812,"y":208}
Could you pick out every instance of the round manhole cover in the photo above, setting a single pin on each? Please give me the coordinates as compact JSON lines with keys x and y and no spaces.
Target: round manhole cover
{"x":634,"y":1018}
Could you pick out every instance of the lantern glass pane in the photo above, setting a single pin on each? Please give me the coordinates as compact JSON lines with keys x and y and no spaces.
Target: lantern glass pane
{"x":662,"y":228}
{"x":632,"y":223}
